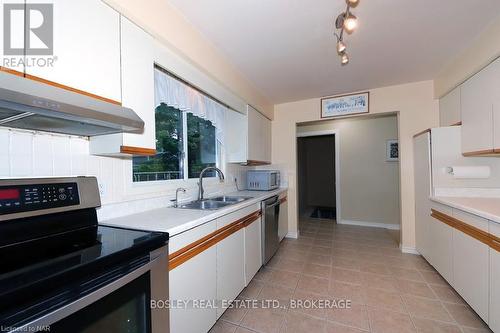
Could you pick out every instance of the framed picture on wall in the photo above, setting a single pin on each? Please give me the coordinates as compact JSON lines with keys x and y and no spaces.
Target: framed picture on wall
{"x":345,"y":105}
{"x":392,"y":151}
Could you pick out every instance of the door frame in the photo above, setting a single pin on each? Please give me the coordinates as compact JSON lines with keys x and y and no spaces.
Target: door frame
{"x":336,"y":133}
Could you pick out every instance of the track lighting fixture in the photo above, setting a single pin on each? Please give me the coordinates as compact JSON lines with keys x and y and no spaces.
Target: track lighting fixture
{"x":344,"y":59}
{"x":350,"y":23}
{"x":345,"y":22}
{"x":341,"y":47}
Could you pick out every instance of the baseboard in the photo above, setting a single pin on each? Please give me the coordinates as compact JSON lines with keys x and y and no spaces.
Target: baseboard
{"x":370,"y":224}
{"x":409,"y":249}
{"x":292,"y":234}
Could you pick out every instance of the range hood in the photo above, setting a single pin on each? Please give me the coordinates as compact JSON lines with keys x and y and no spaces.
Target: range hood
{"x":33,"y":105}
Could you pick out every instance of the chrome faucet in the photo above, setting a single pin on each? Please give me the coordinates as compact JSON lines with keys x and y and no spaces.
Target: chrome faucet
{"x":176,"y":200}
{"x":200,"y":183}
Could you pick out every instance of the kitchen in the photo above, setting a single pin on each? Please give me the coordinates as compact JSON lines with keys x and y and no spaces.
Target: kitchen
{"x":148,"y":175}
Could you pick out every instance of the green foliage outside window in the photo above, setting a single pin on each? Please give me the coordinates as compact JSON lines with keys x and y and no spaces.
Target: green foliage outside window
{"x":169,"y":161}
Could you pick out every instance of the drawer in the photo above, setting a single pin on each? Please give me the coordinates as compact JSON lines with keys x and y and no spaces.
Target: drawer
{"x":183,"y":239}
{"x":442,"y":208}
{"x":470,"y":219}
{"x":235,"y":216}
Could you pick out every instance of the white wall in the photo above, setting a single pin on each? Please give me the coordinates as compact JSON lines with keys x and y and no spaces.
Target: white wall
{"x":30,"y":154}
{"x":447,"y":152}
{"x":482,"y":51}
{"x":369,"y":185}
{"x":417,"y":111}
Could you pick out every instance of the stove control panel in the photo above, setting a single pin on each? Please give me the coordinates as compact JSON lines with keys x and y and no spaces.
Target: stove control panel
{"x":23,"y":198}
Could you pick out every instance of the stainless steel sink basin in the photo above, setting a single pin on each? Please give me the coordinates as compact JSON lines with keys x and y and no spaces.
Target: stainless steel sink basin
{"x":230,"y":199}
{"x":214,"y":203}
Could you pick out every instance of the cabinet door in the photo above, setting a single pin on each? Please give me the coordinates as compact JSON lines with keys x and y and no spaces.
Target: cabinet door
{"x":283,"y":220}
{"x":17,"y":42}
{"x":440,"y":253}
{"x":259,"y":136}
{"x":496,"y":126}
{"x":87,"y":48}
{"x":195,"y":279}
{"x":494,"y":311}
{"x":236,"y":137}
{"x":230,"y":268}
{"x":449,"y":108}
{"x":422,"y":174}
{"x":477,"y":96}
{"x":137,"y":58}
{"x":253,"y":250}
{"x":470,"y":264}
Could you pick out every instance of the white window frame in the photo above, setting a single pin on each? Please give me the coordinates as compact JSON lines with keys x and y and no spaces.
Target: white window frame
{"x":185,"y":162}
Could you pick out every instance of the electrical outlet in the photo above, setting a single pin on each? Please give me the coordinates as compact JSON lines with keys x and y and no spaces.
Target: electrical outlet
{"x":102,"y":189}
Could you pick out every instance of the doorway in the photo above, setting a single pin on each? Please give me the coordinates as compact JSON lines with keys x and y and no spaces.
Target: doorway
{"x":317,"y":175}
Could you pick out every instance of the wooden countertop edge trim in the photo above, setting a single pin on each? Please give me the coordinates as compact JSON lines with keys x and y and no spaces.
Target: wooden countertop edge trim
{"x":283,"y":200}
{"x":478,"y":234}
{"x":58,"y":85}
{"x":191,"y":250}
{"x":138,"y":151}
{"x":422,"y":132}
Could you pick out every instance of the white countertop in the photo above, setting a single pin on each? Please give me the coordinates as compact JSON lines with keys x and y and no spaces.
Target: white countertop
{"x":176,"y":220}
{"x":488,"y":208}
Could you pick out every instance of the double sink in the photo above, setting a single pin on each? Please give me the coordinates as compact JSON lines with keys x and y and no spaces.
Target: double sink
{"x":214,"y":203}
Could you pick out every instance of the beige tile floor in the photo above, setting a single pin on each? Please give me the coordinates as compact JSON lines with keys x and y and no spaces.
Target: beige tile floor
{"x":390,"y":292}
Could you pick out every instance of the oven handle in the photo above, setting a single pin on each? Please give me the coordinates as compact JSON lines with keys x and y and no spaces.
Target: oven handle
{"x":69,"y":309}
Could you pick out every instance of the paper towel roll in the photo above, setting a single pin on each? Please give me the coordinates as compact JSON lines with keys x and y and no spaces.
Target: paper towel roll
{"x":470,"y":172}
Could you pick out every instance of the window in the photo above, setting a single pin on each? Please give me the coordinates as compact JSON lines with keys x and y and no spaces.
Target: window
{"x":177,"y":157}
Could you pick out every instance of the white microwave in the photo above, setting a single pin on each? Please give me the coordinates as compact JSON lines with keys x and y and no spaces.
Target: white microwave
{"x":263,"y":180}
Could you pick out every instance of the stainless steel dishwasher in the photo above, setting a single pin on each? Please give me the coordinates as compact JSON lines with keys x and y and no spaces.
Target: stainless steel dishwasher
{"x":270,"y":238}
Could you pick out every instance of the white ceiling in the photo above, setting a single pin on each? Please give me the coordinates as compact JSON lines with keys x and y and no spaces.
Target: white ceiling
{"x":287,"y":48}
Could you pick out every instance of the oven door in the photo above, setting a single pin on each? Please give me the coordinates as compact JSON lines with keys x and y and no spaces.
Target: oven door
{"x":120,"y":306}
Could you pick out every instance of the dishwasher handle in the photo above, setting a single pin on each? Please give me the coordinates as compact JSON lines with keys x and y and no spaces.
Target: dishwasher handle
{"x":273,"y":205}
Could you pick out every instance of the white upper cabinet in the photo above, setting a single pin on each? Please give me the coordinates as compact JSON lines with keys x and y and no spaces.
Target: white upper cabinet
{"x":478,"y":96}
{"x":86,"y":48}
{"x":236,"y":136}
{"x":259,"y":137}
{"x":137,"y":71}
{"x":248,"y":137}
{"x":449,"y":108}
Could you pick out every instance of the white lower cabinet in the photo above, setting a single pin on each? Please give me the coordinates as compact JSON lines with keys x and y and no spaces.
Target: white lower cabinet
{"x":440,"y":252}
{"x":253,"y":249}
{"x":193,"y":280}
{"x":226,"y":256}
{"x":283,"y":218}
{"x":470,"y":265}
{"x":494,"y":308}
{"x":230,"y":268}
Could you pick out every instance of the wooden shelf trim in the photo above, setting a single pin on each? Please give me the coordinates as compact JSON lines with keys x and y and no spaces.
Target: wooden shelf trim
{"x":138,"y":151}
{"x":478,"y":234}
{"x":58,"y":85}
{"x":256,"y":163}
{"x":283,"y":200}
{"x":191,"y":250}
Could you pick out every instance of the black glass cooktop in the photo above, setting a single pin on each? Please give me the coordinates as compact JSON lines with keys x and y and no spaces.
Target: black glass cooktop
{"x":26,"y":278}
